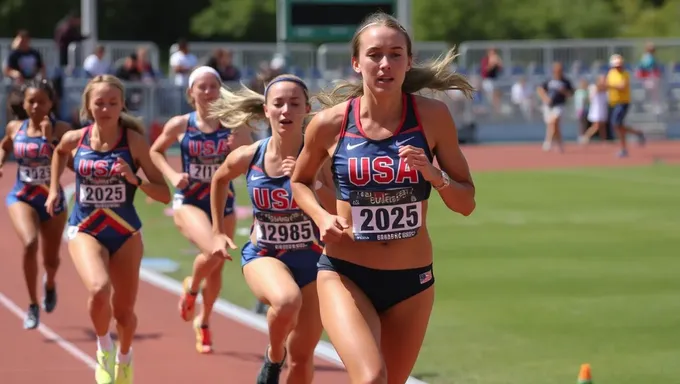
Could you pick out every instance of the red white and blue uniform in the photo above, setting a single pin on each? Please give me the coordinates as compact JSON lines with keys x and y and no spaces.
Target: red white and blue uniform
{"x":202,"y":154}
{"x":104,"y":206}
{"x":281,"y":228}
{"x":33,"y":155}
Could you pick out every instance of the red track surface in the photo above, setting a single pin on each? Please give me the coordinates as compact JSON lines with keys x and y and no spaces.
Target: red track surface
{"x":164,"y":346}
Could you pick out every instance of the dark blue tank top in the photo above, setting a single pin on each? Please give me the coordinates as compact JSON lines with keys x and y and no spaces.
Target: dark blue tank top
{"x":384,"y":194}
{"x":33,"y":156}
{"x":103,"y":197}
{"x":278,"y":221}
{"x":202,"y":154}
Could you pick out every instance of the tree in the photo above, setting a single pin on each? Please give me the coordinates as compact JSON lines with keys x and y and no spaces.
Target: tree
{"x":250,"y":20}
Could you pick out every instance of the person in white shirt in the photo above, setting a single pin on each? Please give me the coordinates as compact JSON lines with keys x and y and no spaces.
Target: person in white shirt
{"x":598,"y":111}
{"x":95,"y":64}
{"x":522,"y":96}
{"x":182,"y":63}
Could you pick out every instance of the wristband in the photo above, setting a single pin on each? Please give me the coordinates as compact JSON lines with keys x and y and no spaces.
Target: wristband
{"x":446,"y":181}
{"x":139,"y":181}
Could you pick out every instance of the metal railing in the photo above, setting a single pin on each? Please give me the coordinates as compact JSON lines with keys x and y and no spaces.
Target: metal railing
{"x":495,"y":115}
{"x":539,"y":55}
{"x":248,"y":56}
{"x":48,"y":50}
{"x":114,"y":51}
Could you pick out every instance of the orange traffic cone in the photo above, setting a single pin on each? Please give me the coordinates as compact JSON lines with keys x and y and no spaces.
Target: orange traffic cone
{"x":584,"y":376}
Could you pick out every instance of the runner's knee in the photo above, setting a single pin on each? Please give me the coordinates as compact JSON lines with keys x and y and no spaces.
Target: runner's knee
{"x":100,"y":293}
{"x":286,"y":305}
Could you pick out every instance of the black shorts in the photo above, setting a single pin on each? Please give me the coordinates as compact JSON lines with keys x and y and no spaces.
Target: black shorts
{"x":384,"y":288}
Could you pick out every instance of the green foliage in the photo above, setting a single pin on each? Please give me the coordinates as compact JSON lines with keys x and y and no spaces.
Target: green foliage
{"x":251,"y":20}
{"x":454,"y":21}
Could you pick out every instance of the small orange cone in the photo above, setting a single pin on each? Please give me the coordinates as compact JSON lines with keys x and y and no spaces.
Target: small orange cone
{"x":584,"y":376}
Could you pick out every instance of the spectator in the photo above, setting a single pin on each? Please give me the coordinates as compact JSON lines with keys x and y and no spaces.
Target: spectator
{"x":182,"y":63}
{"x":24,"y":62}
{"x":554,"y":94}
{"x":222,"y":62}
{"x":129,"y":70}
{"x":95,"y":64}
{"x":491,"y":67}
{"x":144,"y":67}
{"x":648,"y":71}
{"x":521,"y":96}
{"x":67,"y":32}
{"x":618,"y":85}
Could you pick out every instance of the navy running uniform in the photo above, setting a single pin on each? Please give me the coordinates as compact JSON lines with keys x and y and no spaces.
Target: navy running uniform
{"x":281,"y":228}
{"x":386,"y":199}
{"x":202,"y":154}
{"x":33,"y":155}
{"x":104,"y":206}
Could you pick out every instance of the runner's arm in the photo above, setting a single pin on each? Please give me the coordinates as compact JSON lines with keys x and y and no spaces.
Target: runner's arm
{"x":236,"y":164}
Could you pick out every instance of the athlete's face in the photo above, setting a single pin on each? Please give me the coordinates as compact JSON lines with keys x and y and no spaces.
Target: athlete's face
{"x":37,"y":103}
{"x":205,"y":89}
{"x":286,"y":106}
{"x":105,"y":103}
{"x":382,"y":58}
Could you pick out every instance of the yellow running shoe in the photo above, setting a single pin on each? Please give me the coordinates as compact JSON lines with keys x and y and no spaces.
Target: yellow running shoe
{"x":203,"y":337}
{"x":123,"y":373}
{"x":106,"y":360}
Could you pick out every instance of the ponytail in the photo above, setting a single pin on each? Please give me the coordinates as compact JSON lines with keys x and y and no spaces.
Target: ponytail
{"x":239,"y":108}
{"x":435,"y":75}
{"x":130,"y":122}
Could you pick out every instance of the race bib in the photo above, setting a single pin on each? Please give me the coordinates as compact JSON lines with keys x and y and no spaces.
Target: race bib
{"x":283,"y":231}
{"x":34,"y":175}
{"x":385,"y":215}
{"x":202,"y":172}
{"x":102,"y":195}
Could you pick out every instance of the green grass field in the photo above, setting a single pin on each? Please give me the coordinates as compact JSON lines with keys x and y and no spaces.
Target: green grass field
{"x":554,"y":269}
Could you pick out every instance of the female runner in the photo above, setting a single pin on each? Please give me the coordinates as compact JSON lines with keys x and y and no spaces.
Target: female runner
{"x":279,"y":261}
{"x":105,"y":241}
{"x":32,"y":142}
{"x":204,"y":145}
{"x":375,"y":279}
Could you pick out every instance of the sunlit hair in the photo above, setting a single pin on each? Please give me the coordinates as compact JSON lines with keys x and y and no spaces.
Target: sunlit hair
{"x":235,"y":109}
{"x":126,"y":120}
{"x":435,"y":75}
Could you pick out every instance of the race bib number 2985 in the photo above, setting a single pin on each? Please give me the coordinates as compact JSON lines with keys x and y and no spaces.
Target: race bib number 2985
{"x":292,"y":231}
{"x":385,"y":215}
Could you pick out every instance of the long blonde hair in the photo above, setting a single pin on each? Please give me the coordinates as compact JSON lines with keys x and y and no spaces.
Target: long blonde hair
{"x":126,"y":120}
{"x":435,"y":75}
{"x":235,"y":109}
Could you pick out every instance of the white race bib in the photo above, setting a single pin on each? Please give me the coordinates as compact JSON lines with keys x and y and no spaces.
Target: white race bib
{"x":283,"y":231}
{"x":113,"y":194}
{"x":34,"y":175}
{"x":202,"y":172}
{"x":375,"y":219}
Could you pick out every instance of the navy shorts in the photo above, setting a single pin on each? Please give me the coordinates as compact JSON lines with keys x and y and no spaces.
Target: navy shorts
{"x":108,"y":237}
{"x":384,"y":288}
{"x":203,"y":205}
{"x":618,"y":114}
{"x":302,"y":264}
{"x":35,"y":196}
